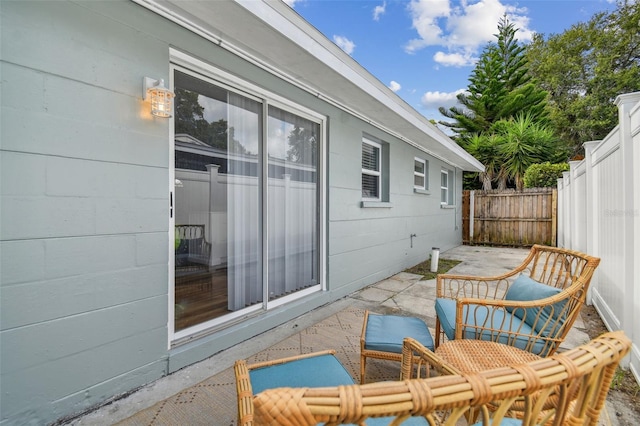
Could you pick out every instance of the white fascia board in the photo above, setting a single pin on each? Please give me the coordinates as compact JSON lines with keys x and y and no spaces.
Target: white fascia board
{"x":284,"y":20}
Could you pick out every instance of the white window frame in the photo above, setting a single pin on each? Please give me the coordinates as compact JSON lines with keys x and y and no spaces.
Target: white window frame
{"x":376,"y":173}
{"x":444,"y":188}
{"x":448,"y":189}
{"x":424,"y":175}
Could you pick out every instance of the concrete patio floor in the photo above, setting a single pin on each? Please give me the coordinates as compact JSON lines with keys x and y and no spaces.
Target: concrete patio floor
{"x":402,"y":292}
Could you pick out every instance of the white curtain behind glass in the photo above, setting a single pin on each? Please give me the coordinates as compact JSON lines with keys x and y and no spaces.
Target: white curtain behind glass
{"x":292,"y":202}
{"x":244,"y":280}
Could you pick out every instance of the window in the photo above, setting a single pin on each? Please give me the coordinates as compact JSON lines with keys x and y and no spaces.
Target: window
{"x":371,"y":170}
{"x":446,"y":187}
{"x":420,"y":174}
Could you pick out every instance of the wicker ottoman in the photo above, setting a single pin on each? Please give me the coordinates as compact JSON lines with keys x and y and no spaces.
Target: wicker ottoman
{"x":382,"y":337}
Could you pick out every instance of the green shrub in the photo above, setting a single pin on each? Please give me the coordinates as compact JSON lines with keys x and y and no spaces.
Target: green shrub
{"x":544,"y":175}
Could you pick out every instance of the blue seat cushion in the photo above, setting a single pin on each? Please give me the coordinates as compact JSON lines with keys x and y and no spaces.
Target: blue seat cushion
{"x":489,"y":317}
{"x":386,"y":421}
{"x":507,"y":421}
{"x":385,"y":333}
{"x":316,"y":371}
{"x":526,"y":289}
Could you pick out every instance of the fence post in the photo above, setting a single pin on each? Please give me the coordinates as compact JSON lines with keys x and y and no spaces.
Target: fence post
{"x":575,"y":224}
{"x":472,"y":213}
{"x":554,"y":218}
{"x":567,"y":208}
{"x":625,"y":103}
{"x":592,"y":212}
{"x":560,"y":215}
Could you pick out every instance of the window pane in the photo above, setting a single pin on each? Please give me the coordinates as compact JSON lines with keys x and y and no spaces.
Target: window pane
{"x":370,"y":186}
{"x":292,"y":197}
{"x":370,"y":157}
{"x":419,"y":166}
{"x":218,"y":136}
{"x":443,"y":196}
{"x":443,"y":179}
{"x":418,"y":181}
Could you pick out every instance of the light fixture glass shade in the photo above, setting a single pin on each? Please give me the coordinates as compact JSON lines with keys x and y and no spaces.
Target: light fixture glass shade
{"x":160,"y":97}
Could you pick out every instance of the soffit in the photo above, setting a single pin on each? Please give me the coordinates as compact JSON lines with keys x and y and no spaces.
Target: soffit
{"x":276,"y":37}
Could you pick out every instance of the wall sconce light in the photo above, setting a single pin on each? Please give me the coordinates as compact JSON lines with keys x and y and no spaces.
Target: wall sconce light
{"x":160,"y":97}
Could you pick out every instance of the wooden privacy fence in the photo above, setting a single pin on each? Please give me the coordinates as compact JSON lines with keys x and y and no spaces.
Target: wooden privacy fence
{"x":509,"y":217}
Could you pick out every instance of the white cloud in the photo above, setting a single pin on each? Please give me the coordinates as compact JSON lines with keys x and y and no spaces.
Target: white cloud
{"x":395,"y":86}
{"x":454,"y":59}
{"x":426,"y":15}
{"x":379,"y":10}
{"x":291,"y":3}
{"x":434,"y":100}
{"x":344,"y":44}
{"x":462,"y":29}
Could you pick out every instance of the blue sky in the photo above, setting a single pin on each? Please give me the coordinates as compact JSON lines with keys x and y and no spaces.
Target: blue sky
{"x":425,"y":50}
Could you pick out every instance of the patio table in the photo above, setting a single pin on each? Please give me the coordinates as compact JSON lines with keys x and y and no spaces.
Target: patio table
{"x":471,"y":356}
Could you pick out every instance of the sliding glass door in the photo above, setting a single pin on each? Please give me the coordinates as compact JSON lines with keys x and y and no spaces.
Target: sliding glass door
{"x":246,"y":202}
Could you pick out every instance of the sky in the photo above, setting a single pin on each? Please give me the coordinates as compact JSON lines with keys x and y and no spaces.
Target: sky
{"x":425,"y":50}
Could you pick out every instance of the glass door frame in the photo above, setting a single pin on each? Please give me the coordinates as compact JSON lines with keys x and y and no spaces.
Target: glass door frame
{"x":187,"y":64}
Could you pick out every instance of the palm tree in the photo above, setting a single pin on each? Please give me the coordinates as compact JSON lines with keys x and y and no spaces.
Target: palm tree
{"x":523,"y":142}
{"x":485,"y":148}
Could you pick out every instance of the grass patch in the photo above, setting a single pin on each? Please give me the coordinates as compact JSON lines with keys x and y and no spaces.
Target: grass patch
{"x":624,"y":381}
{"x":424,"y":268}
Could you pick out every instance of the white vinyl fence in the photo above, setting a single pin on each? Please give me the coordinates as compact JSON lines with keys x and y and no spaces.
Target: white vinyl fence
{"x":599,"y":214}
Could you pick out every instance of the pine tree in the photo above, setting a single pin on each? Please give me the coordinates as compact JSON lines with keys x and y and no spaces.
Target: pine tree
{"x":500,"y":87}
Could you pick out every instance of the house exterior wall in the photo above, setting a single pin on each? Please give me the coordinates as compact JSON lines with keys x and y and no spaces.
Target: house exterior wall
{"x":84,"y":230}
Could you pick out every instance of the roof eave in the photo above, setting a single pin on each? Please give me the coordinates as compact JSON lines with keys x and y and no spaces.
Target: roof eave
{"x":311,"y":61}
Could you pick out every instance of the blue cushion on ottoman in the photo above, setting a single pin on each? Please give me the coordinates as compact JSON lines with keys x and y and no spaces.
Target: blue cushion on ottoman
{"x":386,"y":332}
{"x":316,"y":371}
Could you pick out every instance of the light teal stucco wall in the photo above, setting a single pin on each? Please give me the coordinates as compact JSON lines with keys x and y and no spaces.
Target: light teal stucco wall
{"x":84,"y":216}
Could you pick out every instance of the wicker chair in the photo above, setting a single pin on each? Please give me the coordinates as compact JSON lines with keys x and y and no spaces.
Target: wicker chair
{"x":531,"y":307}
{"x":564,"y":389}
{"x":192,"y":251}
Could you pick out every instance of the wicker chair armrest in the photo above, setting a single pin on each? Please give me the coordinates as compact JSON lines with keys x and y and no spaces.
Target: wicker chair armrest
{"x":415,"y":356}
{"x":244,"y":392}
{"x":460,"y":286}
{"x":524,"y":304}
{"x":504,"y":276}
{"x":453,"y":285}
{"x":289,"y":359}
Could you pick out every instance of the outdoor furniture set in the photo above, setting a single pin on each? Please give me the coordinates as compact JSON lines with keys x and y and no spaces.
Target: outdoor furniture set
{"x":499,"y":363}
